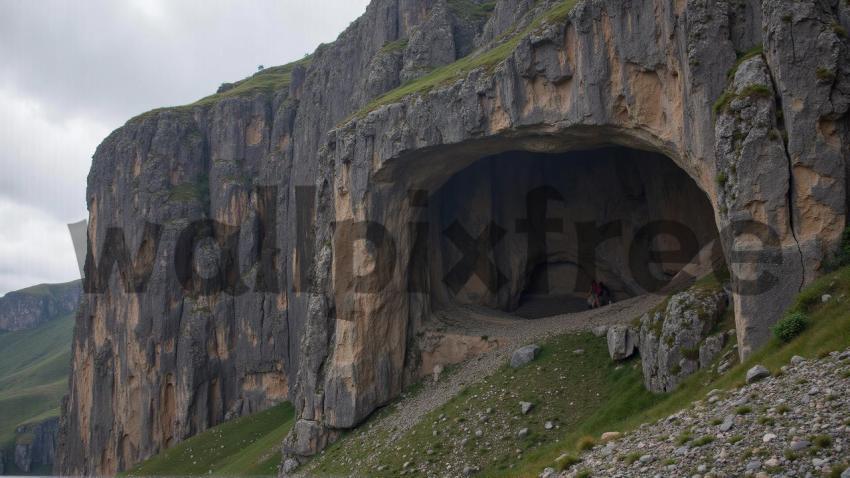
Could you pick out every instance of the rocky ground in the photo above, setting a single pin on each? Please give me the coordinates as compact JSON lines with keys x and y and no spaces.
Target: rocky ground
{"x":793,"y":424}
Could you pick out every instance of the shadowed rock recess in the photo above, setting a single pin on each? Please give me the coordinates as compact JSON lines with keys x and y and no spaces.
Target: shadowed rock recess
{"x":718,"y":115}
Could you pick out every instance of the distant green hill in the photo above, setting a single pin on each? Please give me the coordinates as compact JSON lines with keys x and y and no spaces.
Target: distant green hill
{"x":34,"y":367}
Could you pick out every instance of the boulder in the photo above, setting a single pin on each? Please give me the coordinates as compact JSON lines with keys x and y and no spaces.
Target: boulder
{"x":621,"y":342}
{"x":524,"y":355}
{"x":757,"y":373}
{"x":600,"y":330}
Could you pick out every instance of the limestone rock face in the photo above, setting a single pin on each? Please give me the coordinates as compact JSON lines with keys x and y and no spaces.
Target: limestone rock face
{"x":674,"y":340}
{"x":29,"y":308}
{"x":153,"y":368}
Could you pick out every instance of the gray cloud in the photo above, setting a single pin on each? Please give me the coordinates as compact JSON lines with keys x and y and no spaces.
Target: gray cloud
{"x":73,"y":71}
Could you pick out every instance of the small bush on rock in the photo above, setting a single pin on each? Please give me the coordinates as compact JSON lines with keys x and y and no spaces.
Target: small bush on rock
{"x":790,"y":326}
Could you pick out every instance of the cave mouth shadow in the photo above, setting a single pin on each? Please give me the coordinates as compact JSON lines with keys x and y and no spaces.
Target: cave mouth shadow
{"x":526,"y":232}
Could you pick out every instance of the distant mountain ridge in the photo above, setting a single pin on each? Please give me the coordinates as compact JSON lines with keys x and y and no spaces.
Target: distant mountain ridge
{"x":36,"y":326}
{"x":28,"y":308}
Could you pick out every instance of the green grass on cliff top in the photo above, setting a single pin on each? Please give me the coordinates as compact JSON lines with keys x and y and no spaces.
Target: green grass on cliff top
{"x":246,"y":446}
{"x":265,"y":81}
{"x":487,"y":59}
{"x":34,"y":366}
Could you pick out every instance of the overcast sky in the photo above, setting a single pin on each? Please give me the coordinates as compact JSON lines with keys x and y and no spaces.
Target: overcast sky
{"x":72,"y":71}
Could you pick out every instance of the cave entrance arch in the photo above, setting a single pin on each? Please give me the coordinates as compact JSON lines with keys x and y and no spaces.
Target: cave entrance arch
{"x":527,"y":232}
{"x":607,"y":201}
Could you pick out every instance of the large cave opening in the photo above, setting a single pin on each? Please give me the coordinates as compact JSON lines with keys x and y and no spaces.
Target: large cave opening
{"x":527,"y":233}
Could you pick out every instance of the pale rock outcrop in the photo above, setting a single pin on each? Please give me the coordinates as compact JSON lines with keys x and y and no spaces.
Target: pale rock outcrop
{"x":673,"y":338}
{"x":622,"y":342}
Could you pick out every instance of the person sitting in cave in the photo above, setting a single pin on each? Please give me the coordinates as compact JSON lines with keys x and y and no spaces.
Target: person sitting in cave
{"x":605,"y":297}
{"x":593,"y":298}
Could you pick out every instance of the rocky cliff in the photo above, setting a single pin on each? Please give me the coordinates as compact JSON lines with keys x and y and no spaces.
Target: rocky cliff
{"x":278,"y":177}
{"x":28,"y":308}
{"x":36,"y":444}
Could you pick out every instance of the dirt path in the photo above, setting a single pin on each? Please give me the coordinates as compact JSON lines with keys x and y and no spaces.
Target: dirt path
{"x":512,"y":333}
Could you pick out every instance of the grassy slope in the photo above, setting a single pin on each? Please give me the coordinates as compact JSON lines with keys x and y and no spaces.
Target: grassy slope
{"x":565,"y":387}
{"x":266,"y":81}
{"x":829,"y":330}
{"x":587,"y":394}
{"x":247,"y":446}
{"x":33,"y":374}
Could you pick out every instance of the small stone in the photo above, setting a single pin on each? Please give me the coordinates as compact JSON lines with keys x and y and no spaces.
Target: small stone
{"x":469,"y":470}
{"x":753,"y":465}
{"x":757,"y":373}
{"x":438,"y":370}
{"x":479,"y":433}
{"x":797,"y":360}
{"x":728,"y":423}
{"x":702,"y":468}
{"x":772,"y":463}
{"x":846,"y":473}
{"x":825,"y":298}
{"x":548,"y":473}
{"x":646,"y":458}
{"x":768,"y":437}
{"x":522,"y":433}
{"x":548,"y":425}
{"x":525,"y":407}
{"x":524,"y":355}
{"x":578,"y":351}
{"x":799,"y":445}
{"x":819,"y":462}
{"x":610,"y":436}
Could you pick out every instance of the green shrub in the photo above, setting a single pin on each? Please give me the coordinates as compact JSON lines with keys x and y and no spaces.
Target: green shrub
{"x":586,"y":443}
{"x":790,"y":326}
{"x":705,"y":440}
{"x":822,"y":441}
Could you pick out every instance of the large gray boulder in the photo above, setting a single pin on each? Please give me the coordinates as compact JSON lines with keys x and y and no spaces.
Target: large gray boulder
{"x":757,"y":373}
{"x":622,"y":341}
{"x":524,"y":355}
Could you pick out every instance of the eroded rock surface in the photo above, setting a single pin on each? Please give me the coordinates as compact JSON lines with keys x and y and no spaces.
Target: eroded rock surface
{"x":675,"y":340}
